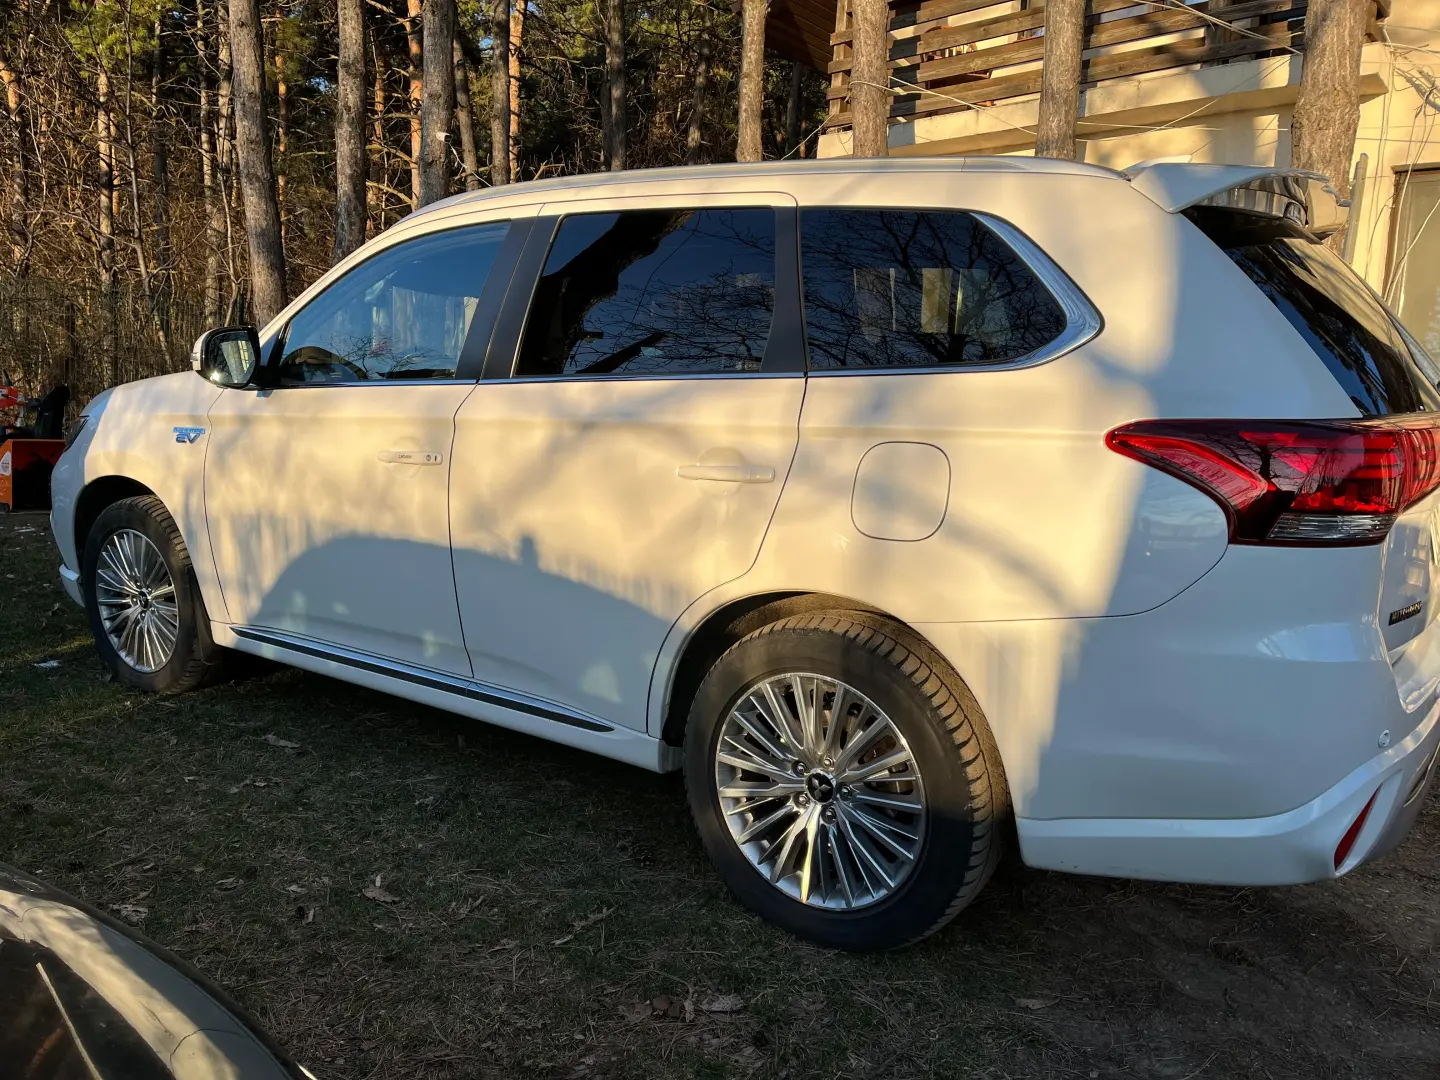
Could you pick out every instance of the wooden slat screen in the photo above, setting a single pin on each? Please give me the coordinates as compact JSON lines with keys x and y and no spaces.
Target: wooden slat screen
{"x":967,"y":63}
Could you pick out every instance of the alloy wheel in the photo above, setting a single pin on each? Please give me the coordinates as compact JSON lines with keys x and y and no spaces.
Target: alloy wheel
{"x":137,"y":601}
{"x":820,"y":791}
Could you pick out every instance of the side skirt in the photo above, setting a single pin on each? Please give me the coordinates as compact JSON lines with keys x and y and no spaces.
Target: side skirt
{"x":453,"y":693}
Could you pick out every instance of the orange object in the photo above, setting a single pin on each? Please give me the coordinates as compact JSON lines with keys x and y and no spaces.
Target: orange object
{"x":25,"y":466}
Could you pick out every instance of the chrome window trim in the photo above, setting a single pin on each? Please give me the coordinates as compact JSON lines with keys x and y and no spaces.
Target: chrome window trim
{"x":1082,"y":322}
{"x":357,"y":382}
{"x":430,"y":678}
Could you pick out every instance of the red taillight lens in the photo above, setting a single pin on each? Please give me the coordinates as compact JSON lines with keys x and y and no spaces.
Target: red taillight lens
{"x":1289,"y":482}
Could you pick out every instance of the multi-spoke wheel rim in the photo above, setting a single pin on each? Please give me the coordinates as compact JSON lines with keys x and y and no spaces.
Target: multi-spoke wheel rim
{"x":820,"y":791}
{"x":137,"y":600}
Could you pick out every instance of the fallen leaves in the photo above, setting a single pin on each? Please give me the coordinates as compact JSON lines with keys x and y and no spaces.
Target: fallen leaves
{"x":584,"y":924}
{"x":722,"y":1003}
{"x":1035,"y":1003}
{"x":253,"y":781}
{"x":134,"y":914}
{"x":668,"y":1007}
{"x":376,"y":891}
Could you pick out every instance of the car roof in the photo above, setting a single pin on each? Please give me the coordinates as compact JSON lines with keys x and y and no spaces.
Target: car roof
{"x":595,"y":184}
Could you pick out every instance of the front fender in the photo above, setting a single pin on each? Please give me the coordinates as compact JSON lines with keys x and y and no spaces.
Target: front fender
{"x":153,"y":432}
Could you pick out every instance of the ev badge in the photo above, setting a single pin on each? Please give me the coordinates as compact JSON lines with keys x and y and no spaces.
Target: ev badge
{"x":188,"y":434}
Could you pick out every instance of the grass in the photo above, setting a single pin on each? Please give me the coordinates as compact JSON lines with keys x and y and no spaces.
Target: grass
{"x":545,"y":913}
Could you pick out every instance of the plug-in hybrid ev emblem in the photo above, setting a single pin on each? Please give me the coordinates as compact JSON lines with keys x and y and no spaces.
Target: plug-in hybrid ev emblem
{"x":188,"y":434}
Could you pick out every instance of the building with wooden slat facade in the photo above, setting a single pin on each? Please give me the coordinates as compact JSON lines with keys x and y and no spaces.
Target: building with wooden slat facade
{"x":1211,"y":81}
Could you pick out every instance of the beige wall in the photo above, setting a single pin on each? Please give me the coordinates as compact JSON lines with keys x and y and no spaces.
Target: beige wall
{"x":1399,"y":130}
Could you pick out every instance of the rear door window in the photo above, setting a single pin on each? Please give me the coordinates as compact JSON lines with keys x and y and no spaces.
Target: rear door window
{"x":898,"y":289}
{"x":654,"y":292}
{"x":1331,"y":307}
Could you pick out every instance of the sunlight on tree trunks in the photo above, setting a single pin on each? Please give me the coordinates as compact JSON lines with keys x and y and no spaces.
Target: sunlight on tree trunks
{"x":350,"y":131}
{"x":438,"y":112}
{"x":257,"y":172}
{"x":1060,"y":79}
{"x":1327,"y":112}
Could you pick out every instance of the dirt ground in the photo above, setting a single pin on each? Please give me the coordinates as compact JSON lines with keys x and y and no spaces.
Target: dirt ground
{"x":406,"y":894}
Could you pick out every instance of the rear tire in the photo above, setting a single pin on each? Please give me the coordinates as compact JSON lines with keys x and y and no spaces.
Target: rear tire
{"x":150,"y":624}
{"x":881,"y":858}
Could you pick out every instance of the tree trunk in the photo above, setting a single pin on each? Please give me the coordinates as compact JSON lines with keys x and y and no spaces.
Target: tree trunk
{"x":15,"y":203}
{"x":143,"y":264}
{"x":1327,"y":112}
{"x":159,"y":177}
{"x":604,"y":119}
{"x":500,"y":93}
{"x":517,"y":35}
{"x":793,"y":106}
{"x":257,"y":172}
{"x":282,"y":145}
{"x":703,"y":50}
{"x":105,"y":181}
{"x":615,"y":82}
{"x":214,"y":229}
{"x":225,"y":154}
{"x":870,"y":79}
{"x":465,"y":120}
{"x":752,"y":79}
{"x":214,"y":147}
{"x":350,"y":131}
{"x":417,"y":94}
{"x":379,"y":171}
{"x":438,"y":113}
{"x":1060,"y":79}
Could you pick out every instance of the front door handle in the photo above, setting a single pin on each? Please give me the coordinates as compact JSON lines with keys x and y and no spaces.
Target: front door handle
{"x":411,"y":457}
{"x":733,"y":474}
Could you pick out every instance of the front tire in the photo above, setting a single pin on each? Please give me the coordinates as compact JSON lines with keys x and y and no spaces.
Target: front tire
{"x":844,"y":781}
{"x":149,"y":621}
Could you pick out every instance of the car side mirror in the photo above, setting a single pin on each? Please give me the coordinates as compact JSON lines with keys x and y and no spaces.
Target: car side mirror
{"x":228,"y":356}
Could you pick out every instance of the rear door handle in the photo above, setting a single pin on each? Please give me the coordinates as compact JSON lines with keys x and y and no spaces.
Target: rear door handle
{"x":733,"y":474}
{"x":411,"y":457}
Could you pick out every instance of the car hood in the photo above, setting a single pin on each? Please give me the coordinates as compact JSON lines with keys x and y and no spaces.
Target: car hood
{"x":79,"y":988}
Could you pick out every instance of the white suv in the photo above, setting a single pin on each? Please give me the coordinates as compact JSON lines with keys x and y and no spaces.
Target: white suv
{"x":909,"y":506}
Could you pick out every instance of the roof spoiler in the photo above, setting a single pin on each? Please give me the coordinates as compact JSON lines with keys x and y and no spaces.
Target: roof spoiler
{"x":1306,"y":198}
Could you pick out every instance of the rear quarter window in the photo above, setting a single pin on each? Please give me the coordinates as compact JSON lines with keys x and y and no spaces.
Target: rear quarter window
{"x":904,"y":289}
{"x":1331,"y":307}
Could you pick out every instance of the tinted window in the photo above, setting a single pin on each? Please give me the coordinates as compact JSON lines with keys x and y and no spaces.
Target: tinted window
{"x":1332,"y":308}
{"x":402,"y":315}
{"x":673,"y":292}
{"x":901,"y":288}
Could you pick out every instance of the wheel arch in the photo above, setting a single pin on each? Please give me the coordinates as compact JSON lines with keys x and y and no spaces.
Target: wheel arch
{"x":736,"y":619}
{"x":95,"y":496}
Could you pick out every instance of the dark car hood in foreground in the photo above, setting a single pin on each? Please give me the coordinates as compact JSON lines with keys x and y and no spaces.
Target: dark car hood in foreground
{"x":84,"y":996}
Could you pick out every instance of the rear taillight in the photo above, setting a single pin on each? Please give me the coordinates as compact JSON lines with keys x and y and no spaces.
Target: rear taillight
{"x":1290,"y":482}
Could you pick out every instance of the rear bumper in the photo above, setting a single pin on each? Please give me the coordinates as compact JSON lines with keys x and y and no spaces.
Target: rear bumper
{"x":1284,"y":849}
